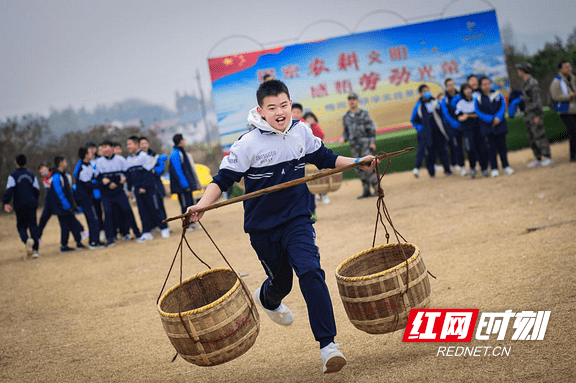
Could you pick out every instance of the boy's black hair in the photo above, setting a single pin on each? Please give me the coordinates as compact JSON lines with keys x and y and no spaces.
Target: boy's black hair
{"x":446,"y":81}
{"x":136,"y":139}
{"x":82,"y":153}
{"x":58,"y":160}
{"x":90,"y":144}
{"x":561,"y":62}
{"x":177,"y":138}
{"x":482,"y":79}
{"x":43,"y":163}
{"x":21,"y":160}
{"x":470,"y":76}
{"x":297,"y":106}
{"x":107,"y":143}
{"x":143,"y":139}
{"x":421,"y":87}
{"x":117,"y":144}
{"x":310,"y":114}
{"x":271,"y":88}
{"x":266,"y":76}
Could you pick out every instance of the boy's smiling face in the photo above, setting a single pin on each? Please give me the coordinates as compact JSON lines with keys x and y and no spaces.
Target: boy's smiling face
{"x":277,"y":111}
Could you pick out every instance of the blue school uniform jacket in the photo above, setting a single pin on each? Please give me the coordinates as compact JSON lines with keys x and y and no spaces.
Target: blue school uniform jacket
{"x":139,"y":175}
{"x":266,"y":157}
{"x":23,"y":186}
{"x":85,"y":181}
{"x":427,"y":116}
{"x":182,"y":172}
{"x":488,"y":107}
{"x":61,"y":194}
{"x":113,"y":168}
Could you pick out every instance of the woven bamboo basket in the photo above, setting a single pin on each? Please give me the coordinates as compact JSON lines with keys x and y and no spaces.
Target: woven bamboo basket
{"x":372,"y":286}
{"x":322,"y":185}
{"x":219,"y":321}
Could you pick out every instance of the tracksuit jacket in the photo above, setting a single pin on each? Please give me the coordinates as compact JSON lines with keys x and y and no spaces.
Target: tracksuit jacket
{"x":267,"y":157}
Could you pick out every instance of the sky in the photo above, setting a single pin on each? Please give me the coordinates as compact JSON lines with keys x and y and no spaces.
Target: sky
{"x":58,"y":54}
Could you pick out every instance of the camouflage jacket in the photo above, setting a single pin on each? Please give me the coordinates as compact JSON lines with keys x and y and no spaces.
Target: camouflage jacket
{"x":359,"y":128}
{"x":532,"y":97}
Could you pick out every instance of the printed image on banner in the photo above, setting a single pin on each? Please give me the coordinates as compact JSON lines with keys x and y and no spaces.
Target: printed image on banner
{"x":384,"y":67}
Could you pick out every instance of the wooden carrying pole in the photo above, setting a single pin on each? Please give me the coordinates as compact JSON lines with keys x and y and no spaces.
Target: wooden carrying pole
{"x":275,"y":188}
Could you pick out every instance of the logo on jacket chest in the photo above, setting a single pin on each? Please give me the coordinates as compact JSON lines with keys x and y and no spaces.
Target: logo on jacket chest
{"x":265,"y":157}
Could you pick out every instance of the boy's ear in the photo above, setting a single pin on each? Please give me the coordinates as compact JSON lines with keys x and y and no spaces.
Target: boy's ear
{"x":259,"y":110}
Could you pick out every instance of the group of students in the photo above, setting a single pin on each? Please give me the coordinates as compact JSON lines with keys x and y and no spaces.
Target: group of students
{"x":473,"y":118}
{"x":100,"y":187}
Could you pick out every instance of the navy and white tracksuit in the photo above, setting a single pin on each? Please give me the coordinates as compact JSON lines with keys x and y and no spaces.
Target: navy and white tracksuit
{"x":473,"y":139}
{"x":140,"y":177}
{"x":427,"y":120}
{"x":279,"y":223}
{"x":452,"y":126}
{"x":159,"y":168}
{"x":488,"y":107}
{"x":23,"y":187}
{"x":113,"y":200}
{"x":85,"y":182}
{"x":62,"y":197}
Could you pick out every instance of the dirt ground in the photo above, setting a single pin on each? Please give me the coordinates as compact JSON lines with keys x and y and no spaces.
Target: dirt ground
{"x":92,"y":316}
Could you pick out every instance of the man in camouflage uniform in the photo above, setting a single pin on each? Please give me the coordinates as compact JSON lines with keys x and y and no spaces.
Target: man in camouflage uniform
{"x":534,"y":117}
{"x":360,"y":130}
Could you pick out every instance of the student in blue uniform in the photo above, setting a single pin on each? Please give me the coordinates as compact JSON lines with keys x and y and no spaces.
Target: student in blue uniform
{"x":159,"y":168}
{"x":473,"y":140}
{"x":279,"y":224}
{"x":452,"y":127}
{"x":23,"y":188}
{"x":141,"y":182}
{"x":62,"y":197}
{"x":427,"y":120}
{"x":110,"y":174}
{"x":183,"y":177}
{"x":84,"y":195}
{"x":490,"y":107}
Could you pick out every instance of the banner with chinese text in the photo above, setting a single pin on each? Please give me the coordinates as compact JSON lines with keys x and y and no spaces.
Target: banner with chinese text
{"x":385,"y":67}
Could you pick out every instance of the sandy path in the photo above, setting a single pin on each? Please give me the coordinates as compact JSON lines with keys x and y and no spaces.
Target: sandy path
{"x":91,"y":316}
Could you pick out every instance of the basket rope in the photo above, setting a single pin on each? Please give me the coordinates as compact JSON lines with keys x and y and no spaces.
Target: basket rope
{"x":179,"y":250}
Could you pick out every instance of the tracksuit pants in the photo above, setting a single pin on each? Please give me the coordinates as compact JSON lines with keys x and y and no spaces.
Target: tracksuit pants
{"x":116,"y":206}
{"x":456,"y":149}
{"x":185,"y":199}
{"x":476,"y":148}
{"x":288,"y":247}
{"x":437,"y":150}
{"x":91,"y":214}
{"x":26,"y":221}
{"x":497,"y":146}
{"x":150,"y":211}
{"x":69,"y":224}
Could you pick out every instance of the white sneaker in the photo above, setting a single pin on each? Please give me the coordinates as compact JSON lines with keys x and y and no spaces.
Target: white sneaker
{"x":438,"y":168}
{"x":29,"y":245}
{"x":145,"y":237}
{"x":546,"y":162}
{"x":463,"y":172}
{"x":325,"y":199}
{"x":281,"y":315}
{"x":333,"y":359}
{"x":508,"y":171}
{"x":457,"y":168}
{"x":416,"y":172}
{"x":165,"y":233}
{"x":84,"y":234}
{"x":494,"y":173}
{"x":35,"y":254}
{"x":103,"y":238}
{"x":533,"y":164}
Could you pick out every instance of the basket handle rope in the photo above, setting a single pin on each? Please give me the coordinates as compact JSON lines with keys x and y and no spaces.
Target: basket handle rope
{"x":382,"y":212}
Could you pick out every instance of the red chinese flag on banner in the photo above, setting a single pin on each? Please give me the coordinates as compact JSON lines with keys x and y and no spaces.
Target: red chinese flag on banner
{"x":223,"y":66}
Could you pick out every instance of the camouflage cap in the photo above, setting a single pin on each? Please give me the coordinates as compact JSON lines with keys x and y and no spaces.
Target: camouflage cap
{"x":525,"y":67}
{"x":352,"y":95}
